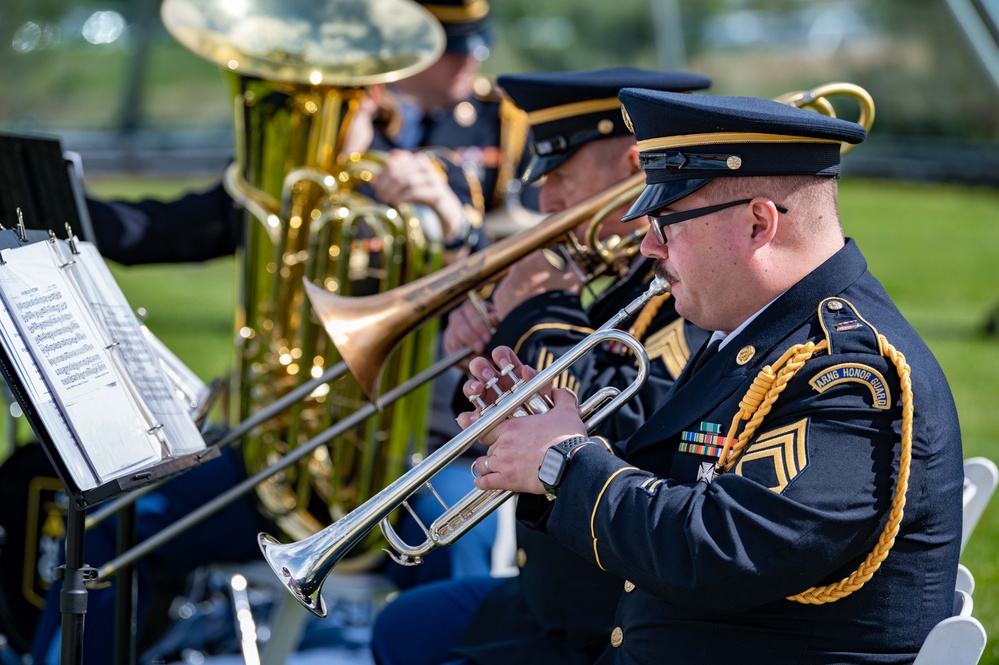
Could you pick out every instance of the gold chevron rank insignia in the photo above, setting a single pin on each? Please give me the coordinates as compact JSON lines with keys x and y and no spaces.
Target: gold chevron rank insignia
{"x":670,"y":344}
{"x":776,"y":457}
{"x":563,"y":380}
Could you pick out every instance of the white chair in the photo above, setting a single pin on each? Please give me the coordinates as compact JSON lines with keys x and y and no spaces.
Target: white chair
{"x":980,"y":479}
{"x":957,"y":640}
{"x":965,"y":581}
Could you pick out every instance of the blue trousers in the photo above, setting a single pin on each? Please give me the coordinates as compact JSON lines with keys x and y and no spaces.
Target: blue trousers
{"x":230,"y":535}
{"x":422,"y":625}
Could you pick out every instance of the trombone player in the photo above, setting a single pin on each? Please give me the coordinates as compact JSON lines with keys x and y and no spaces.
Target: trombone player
{"x":560,"y":607}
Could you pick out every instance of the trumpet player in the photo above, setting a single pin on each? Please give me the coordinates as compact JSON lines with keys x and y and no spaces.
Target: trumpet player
{"x":560,"y":606}
{"x":797,"y":495}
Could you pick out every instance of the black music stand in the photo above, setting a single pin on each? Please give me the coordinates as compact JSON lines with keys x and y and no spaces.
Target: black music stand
{"x":44,"y":181}
{"x":75,"y":574}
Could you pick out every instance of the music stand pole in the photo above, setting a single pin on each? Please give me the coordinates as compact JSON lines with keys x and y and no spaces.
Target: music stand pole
{"x":126,"y":590}
{"x":73,"y":597}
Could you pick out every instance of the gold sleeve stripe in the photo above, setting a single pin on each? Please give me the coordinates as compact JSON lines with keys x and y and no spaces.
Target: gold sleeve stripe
{"x":548,"y":326}
{"x":605,"y":443}
{"x":553,"y":113}
{"x":709,"y":138}
{"x":670,"y":344}
{"x":593,"y":515}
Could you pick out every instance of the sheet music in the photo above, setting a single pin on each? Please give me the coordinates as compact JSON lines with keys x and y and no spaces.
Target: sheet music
{"x":41,"y":398}
{"x":187,"y":385}
{"x":142,"y":369}
{"x":81,"y":377}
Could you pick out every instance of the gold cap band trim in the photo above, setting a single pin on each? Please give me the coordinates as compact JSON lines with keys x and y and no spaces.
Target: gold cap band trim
{"x":689,"y":140}
{"x":472,"y":11}
{"x":553,"y":113}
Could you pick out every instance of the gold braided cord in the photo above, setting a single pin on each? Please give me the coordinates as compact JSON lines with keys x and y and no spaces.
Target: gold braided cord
{"x":644,"y":318}
{"x":757,"y":403}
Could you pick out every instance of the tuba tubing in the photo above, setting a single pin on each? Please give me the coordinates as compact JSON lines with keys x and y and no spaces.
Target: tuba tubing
{"x":303,"y":566}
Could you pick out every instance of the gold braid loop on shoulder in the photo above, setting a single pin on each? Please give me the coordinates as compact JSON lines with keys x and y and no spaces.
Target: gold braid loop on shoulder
{"x":645,"y":317}
{"x":757,"y":403}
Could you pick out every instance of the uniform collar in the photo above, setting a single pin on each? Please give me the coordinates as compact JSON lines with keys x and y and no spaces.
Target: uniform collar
{"x":692,"y":400}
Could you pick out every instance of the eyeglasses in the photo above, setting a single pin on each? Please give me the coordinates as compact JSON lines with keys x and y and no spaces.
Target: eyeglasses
{"x":657,"y":222}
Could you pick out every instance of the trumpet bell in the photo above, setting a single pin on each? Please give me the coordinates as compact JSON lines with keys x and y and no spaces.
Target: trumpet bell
{"x":299,"y":582}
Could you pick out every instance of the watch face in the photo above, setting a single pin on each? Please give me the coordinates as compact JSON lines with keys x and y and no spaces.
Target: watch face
{"x":550,"y":472}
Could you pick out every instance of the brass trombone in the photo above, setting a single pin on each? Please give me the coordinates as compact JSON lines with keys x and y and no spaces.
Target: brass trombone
{"x":351,"y":322}
{"x":817,"y":100}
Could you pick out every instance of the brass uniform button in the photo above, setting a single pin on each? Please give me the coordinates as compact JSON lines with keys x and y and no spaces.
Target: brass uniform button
{"x":464,"y":114}
{"x":745,"y":354}
{"x":629,"y":586}
{"x":617,"y":637}
{"x":834,"y":305}
{"x":521,"y":557}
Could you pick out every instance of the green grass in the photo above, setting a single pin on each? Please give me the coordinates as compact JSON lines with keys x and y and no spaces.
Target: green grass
{"x":933,"y":246}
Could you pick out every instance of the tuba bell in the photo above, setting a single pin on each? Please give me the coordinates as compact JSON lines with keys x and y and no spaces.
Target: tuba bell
{"x":298,"y":71}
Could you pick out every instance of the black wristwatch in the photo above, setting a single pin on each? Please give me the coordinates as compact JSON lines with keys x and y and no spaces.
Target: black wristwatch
{"x":556,"y":460}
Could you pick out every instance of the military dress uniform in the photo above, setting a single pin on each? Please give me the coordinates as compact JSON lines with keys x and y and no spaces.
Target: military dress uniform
{"x":560,"y":607}
{"x":718,"y":554}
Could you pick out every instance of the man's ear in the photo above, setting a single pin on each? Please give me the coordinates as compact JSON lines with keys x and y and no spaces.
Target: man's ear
{"x":632,"y":157}
{"x":765,"y":221}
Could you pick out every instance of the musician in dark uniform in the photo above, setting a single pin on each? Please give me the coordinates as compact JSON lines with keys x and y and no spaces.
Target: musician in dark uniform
{"x":758,"y":514}
{"x":560,"y":606}
{"x":206,"y":224}
{"x":453,"y":116}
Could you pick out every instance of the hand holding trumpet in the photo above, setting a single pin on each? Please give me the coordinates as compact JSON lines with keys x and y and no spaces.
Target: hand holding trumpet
{"x":516,"y":445}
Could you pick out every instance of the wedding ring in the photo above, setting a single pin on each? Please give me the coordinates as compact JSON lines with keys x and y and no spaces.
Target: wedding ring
{"x":486,"y":464}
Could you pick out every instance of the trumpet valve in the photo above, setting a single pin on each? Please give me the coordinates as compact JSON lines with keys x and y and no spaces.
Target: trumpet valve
{"x":477,"y":401}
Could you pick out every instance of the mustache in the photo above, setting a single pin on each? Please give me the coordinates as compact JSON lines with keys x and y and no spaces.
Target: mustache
{"x":662,"y":273}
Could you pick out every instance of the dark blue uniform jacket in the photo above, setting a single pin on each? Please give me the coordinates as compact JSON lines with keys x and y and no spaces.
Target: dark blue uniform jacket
{"x":711,"y":563}
{"x":560,"y":608}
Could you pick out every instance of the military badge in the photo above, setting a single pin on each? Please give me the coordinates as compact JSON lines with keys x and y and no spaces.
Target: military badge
{"x":708,"y":442}
{"x":855,"y":373}
{"x":775,"y":458}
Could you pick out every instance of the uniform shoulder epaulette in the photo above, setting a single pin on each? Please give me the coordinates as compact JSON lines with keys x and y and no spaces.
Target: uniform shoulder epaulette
{"x":846,"y":331}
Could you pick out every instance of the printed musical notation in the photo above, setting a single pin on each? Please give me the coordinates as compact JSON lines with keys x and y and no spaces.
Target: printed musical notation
{"x":88,"y":370}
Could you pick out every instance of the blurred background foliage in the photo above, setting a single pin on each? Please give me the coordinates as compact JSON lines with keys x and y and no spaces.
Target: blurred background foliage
{"x":150,"y":118}
{"x":100,"y":65}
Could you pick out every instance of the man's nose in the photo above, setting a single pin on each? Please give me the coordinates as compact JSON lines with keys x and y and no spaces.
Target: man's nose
{"x":549,"y":202}
{"x":652,"y":248}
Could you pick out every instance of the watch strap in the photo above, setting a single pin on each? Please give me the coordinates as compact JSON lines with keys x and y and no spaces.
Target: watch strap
{"x":565,"y":448}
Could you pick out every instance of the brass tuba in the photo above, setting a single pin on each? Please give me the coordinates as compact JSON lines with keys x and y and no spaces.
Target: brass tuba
{"x":297,"y":70}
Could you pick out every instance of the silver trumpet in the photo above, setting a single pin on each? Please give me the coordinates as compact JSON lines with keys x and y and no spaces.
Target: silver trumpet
{"x":303,"y":566}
